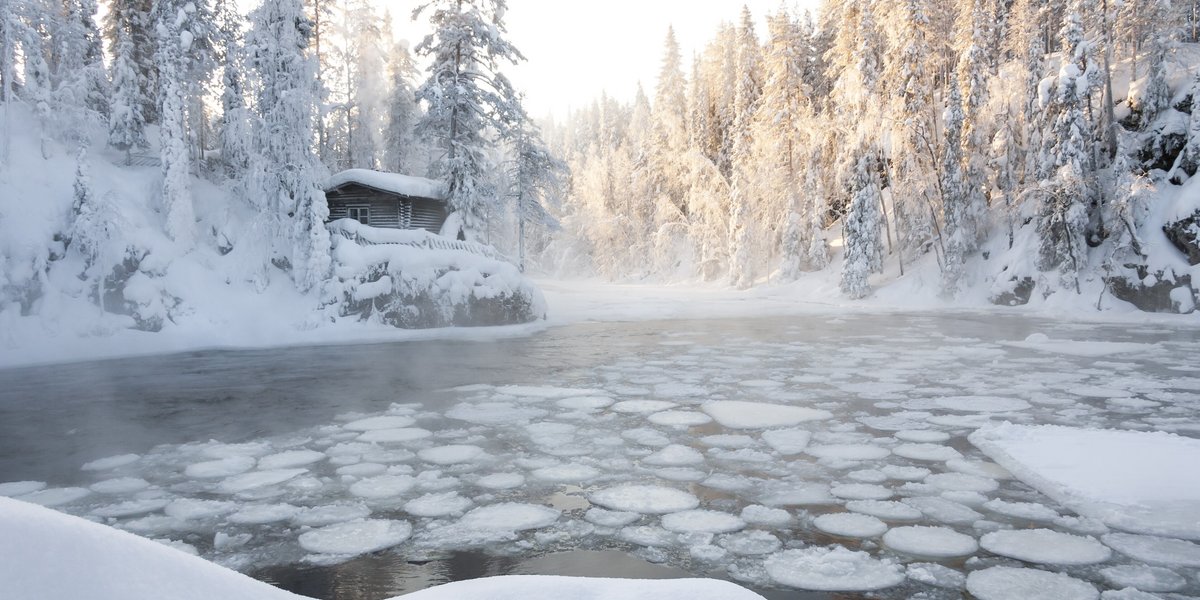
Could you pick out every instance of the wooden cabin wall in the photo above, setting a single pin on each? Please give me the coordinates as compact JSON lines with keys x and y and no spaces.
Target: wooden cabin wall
{"x":387,"y":210}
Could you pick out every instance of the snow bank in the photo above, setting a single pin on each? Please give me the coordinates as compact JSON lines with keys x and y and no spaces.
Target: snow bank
{"x":1136,"y":481}
{"x":46,"y":555}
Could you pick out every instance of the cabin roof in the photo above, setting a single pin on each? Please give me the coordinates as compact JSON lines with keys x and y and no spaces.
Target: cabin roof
{"x":393,"y":183}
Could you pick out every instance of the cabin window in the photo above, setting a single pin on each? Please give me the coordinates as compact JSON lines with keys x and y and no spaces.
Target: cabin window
{"x":362,"y":214}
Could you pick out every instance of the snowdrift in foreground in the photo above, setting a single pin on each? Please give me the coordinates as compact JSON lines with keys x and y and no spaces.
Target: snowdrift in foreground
{"x":1131,"y":480}
{"x":46,"y":555}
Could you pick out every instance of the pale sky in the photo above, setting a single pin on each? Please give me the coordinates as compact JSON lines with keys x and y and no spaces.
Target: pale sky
{"x":577,"y":49}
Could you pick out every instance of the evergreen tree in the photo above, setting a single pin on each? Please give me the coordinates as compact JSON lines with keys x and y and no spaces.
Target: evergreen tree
{"x":174,"y":45}
{"x":745,"y":172}
{"x":467,"y":96}
{"x":956,"y":202}
{"x":286,"y":172}
{"x":234,"y":134}
{"x":537,"y":179}
{"x":399,"y":146}
{"x":973,"y":70}
{"x":127,"y":120}
{"x":130,"y":22}
{"x":863,"y":227}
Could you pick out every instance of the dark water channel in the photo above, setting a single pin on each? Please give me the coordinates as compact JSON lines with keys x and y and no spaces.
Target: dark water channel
{"x":55,"y":418}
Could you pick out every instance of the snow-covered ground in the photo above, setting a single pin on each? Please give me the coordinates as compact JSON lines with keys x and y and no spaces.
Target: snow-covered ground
{"x":787,"y":459}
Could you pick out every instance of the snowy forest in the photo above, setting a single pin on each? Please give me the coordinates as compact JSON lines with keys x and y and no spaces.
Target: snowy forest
{"x":982,"y":150}
{"x":1049,"y":136}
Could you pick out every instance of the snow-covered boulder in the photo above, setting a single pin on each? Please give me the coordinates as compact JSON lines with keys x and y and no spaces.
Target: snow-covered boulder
{"x":416,"y":279}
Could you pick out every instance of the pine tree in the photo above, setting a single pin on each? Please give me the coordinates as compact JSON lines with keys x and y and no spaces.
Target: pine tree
{"x":743,"y":198}
{"x":399,"y":146}
{"x":537,"y":179}
{"x":863,"y":227}
{"x":467,"y":96}
{"x":126,"y":121}
{"x":973,"y":70}
{"x":82,"y":82}
{"x":174,"y":44}
{"x":235,"y":133}
{"x":956,"y":202}
{"x":130,"y":22}
{"x":286,"y":171}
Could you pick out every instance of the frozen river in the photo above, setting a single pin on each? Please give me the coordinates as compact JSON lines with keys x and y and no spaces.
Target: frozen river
{"x":790,"y":453}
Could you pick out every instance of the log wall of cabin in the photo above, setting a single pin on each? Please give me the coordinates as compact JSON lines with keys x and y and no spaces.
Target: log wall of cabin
{"x":387,"y":210}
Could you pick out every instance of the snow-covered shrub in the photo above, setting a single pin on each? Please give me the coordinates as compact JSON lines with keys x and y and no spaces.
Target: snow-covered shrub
{"x":415,"y":279}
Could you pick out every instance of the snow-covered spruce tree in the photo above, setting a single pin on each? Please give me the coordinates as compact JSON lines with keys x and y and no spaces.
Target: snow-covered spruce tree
{"x":955,"y":198}
{"x":174,"y":44}
{"x":1063,"y":216}
{"x":745,"y":182}
{"x":1189,"y":159}
{"x":537,"y":178}
{"x":469,"y":100}
{"x":82,"y":85}
{"x":369,"y":96}
{"x":863,"y":226}
{"x":974,"y":70}
{"x":1025,"y":43}
{"x":400,"y":151}
{"x":668,"y":145}
{"x":130,"y":21}
{"x":286,"y":173}
{"x":234,"y":134}
{"x":126,"y":119}
{"x":93,"y":227}
{"x":816,"y":251}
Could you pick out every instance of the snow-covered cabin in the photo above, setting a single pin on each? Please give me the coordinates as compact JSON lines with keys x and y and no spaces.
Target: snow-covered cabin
{"x":388,"y":200}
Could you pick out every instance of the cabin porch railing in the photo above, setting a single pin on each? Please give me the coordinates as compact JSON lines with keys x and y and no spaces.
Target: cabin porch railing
{"x":365,"y":235}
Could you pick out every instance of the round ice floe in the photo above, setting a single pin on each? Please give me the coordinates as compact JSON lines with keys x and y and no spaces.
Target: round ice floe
{"x":495,"y":413}
{"x":1155,"y":550}
{"x":501,"y":481}
{"x":641,"y":406}
{"x":452,"y":454}
{"x":610,"y":518}
{"x":750,"y":543}
{"x":568,"y":473}
{"x":702,"y":521}
{"x":257,"y":479}
{"x":191,"y":509}
{"x":222,"y":467}
{"x":903,"y":473}
{"x":1022,"y":510}
{"x":438,"y":505}
{"x":20,"y":488}
{"x":728,"y":482}
{"x":679,"y":418}
{"x":384,"y":422}
{"x":1045,"y":546}
{"x":55,"y":496}
{"x":848,"y":451}
{"x":787,"y":441}
{"x":648,"y":535}
{"x":736,"y":414}
{"x":355,"y":537}
{"x":509,"y":516}
{"x":922,"y":436}
{"x":861,"y":491}
{"x":289,"y":460}
{"x":680,"y":474}
{"x":797,"y":494}
{"x":756,"y":514}
{"x":961,"y":482}
{"x":388,"y":455}
{"x":930,"y":542}
{"x":885,"y":509}
{"x":675,"y":455}
{"x":931,"y":452}
{"x":937,"y":575}
{"x":649,"y":499}
{"x":646,"y":437}
{"x":395,"y":436}
{"x":384,"y":486}
{"x":832,"y":569}
{"x":319,"y":516}
{"x":1144,"y":578}
{"x":120,"y":485}
{"x":584,"y":402}
{"x":850,"y":525}
{"x":986,"y":404}
{"x":110,"y":462}
{"x":946,"y":511}
{"x":250,"y":449}
{"x":868,"y":476}
{"x":1009,"y":583}
{"x":261,"y":514}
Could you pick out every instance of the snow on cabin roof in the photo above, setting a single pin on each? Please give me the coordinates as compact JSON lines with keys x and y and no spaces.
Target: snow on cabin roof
{"x":404,"y":185}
